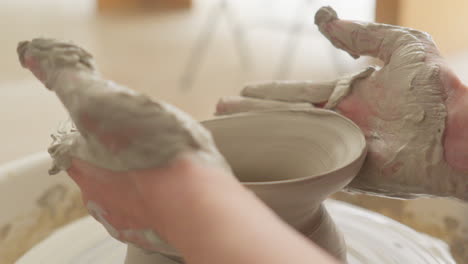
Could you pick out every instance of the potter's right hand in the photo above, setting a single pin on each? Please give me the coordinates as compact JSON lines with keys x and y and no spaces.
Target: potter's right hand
{"x":412,"y":110}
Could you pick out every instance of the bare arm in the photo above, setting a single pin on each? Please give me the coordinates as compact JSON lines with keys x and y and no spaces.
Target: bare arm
{"x":201,"y":210}
{"x":212,"y":218}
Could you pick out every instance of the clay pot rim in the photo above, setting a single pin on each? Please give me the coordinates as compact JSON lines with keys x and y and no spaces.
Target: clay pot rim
{"x":313,"y":111}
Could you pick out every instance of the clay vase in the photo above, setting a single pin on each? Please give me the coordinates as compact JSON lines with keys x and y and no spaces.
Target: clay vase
{"x":292,"y":160}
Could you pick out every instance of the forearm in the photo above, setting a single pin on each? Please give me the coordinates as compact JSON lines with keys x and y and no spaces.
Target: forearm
{"x":211,"y":218}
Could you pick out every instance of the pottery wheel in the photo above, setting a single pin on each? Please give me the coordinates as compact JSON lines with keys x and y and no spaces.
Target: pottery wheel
{"x":371,"y":238}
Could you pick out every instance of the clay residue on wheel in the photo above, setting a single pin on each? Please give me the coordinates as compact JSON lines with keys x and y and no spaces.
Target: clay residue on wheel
{"x":59,"y":205}
{"x":449,"y":231}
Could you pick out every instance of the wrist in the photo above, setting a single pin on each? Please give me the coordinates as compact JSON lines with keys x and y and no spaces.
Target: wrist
{"x":176,"y":191}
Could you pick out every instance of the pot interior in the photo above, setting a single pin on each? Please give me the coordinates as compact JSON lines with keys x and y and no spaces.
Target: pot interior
{"x":285,"y":145}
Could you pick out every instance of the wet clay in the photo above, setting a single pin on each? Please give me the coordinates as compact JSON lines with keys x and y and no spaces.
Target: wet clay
{"x":330,"y":93}
{"x":290,"y":169}
{"x":116,"y":127}
{"x":274,"y":152}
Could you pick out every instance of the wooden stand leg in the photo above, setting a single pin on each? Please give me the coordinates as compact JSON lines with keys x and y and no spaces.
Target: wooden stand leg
{"x":122,"y":5}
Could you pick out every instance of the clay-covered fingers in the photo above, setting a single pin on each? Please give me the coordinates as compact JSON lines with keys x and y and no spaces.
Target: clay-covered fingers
{"x":116,"y":128}
{"x":373,"y":39}
{"x":238,"y":104}
{"x":291,"y":91}
{"x":327,"y":94}
{"x":44,"y":57}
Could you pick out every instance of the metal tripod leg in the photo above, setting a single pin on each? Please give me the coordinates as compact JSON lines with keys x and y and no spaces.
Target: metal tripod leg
{"x":201,"y":44}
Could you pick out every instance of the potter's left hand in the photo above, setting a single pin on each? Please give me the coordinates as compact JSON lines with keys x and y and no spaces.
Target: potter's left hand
{"x":412,"y":110}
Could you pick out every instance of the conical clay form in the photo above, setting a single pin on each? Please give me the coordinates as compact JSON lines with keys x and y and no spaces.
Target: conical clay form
{"x":292,"y":160}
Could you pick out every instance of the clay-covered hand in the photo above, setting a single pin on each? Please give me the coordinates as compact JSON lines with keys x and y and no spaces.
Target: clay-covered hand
{"x":123,"y":140}
{"x":413,"y":110}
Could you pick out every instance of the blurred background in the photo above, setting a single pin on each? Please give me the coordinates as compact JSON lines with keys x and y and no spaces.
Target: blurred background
{"x":188,"y":53}
{"x":191,"y":52}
